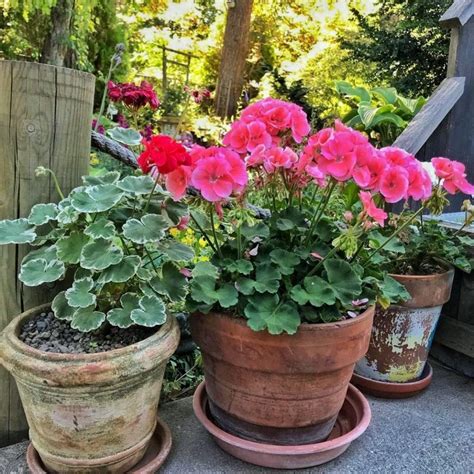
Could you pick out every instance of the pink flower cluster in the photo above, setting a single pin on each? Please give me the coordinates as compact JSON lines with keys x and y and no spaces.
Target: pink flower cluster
{"x":343,"y":154}
{"x":453,"y":175}
{"x":264,"y":123}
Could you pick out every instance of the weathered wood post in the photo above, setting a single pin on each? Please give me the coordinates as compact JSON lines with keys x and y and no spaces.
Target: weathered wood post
{"x":45,"y":120}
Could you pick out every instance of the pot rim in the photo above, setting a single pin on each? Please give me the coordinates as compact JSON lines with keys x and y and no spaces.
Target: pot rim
{"x":13,"y":328}
{"x":431,"y":276}
{"x":303,"y":326}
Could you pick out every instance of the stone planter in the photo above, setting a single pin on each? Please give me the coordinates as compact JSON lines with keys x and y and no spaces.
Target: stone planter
{"x":281,"y":390}
{"x":89,"y":413}
{"x":402,"y":335}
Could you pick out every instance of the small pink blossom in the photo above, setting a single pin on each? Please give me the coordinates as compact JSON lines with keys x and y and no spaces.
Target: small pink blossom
{"x":177,"y":182}
{"x":183,"y":223}
{"x":394,"y":184}
{"x":377,"y":214}
{"x":453,"y":175}
{"x":278,"y":157}
{"x":258,"y":135}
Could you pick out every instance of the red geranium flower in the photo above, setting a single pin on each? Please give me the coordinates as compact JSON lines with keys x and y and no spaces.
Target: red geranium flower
{"x":164,"y":154}
{"x":133,"y":96}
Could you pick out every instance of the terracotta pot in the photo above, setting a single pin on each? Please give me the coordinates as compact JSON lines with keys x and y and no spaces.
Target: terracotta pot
{"x":283,"y":389}
{"x":402,"y":334}
{"x":89,"y":413}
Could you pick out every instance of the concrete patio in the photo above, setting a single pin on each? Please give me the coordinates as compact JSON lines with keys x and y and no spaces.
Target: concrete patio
{"x":431,"y":433}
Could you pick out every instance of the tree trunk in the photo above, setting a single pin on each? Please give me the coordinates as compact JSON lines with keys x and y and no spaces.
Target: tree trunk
{"x":233,"y":56}
{"x":55,"y":46}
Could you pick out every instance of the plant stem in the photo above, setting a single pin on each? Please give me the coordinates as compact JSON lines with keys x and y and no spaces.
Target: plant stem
{"x":151,"y":259}
{"x":211,"y":214}
{"x":203,"y":232}
{"x":104,"y":96}
{"x":151,"y":195}
{"x":320,"y":210}
{"x":318,"y":266}
{"x":394,"y":234}
{"x":56,"y":183}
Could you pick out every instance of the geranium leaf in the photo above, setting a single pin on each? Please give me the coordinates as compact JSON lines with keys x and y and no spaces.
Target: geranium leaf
{"x":174,"y":210}
{"x":79,"y":295}
{"x":317,"y":292}
{"x":376,"y":240}
{"x":267,"y":278}
{"x":176,"y":251}
{"x":205,"y":269}
{"x":122,"y":271}
{"x":61,"y":308}
{"x":70,"y":247}
{"x":246,"y":286}
{"x":97,"y":198}
{"x":100,"y":254}
{"x":127,"y":136}
{"x":17,"y":231}
{"x":68,"y":215}
{"x":227,"y":296}
{"x":171,"y":282}
{"x":285,"y":260}
{"x":244,"y":267}
{"x":150,"y":228}
{"x":101,"y":228}
{"x":151,"y":312}
{"x":42,"y":213}
{"x":393,"y":290}
{"x":258,"y":230}
{"x":266,"y":312}
{"x":121,"y":316}
{"x":47,"y":252}
{"x":136,"y":184}
{"x":344,"y":281}
{"x":203,"y":289}
{"x":110,"y":177}
{"x":38,"y":271}
{"x":86,"y":319}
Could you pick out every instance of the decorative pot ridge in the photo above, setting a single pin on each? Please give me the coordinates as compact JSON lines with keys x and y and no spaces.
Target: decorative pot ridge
{"x":284,"y":389}
{"x":83,"y":369}
{"x":402,"y":334}
{"x":90,"y":413}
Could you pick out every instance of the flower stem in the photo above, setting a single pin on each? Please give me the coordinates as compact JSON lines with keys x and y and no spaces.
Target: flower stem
{"x":151,"y":195}
{"x":203,"y":232}
{"x":104,"y":96}
{"x":318,"y":266}
{"x":211,"y":215}
{"x":320,"y":210}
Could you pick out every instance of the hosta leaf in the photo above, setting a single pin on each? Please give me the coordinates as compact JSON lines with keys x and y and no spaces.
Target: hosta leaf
{"x":122,"y":271}
{"x":17,"y":231}
{"x":344,"y":281}
{"x":285,"y":260}
{"x":61,"y":308}
{"x":150,"y":228}
{"x":387,"y":94}
{"x":136,"y":184}
{"x":47,"y":252}
{"x":121,"y":316}
{"x":100,"y":254}
{"x":171,"y":283}
{"x":110,"y":177}
{"x":176,"y":251}
{"x":86,"y":319}
{"x":151,"y":312}
{"x":38,"y":271}
{"x":360,"y":94}
{"x":101,"y":228}
{"x":127,"y":136}
{"x":316,"y":291}
{"x":70,"y":247}
{"x":79,"y":295}
{"x":267,"y":278}
{"x":266,"y":312}
{"x":97,"y":198}
{"x":42,"y":213}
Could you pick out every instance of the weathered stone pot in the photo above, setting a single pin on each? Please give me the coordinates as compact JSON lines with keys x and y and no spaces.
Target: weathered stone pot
{"x":283,"y":390}
{"x":402,"y":335}
{"x":89,"y":413}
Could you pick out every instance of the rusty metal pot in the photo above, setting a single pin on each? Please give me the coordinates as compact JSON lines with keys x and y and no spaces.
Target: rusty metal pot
{"x":402,"y":334}
{"x":89,"y":413}
{"x":284,"y":390}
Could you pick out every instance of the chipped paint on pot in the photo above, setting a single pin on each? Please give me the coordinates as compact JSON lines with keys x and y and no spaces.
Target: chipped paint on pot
{"x":89,"y":413}
{"x":402,"y":335}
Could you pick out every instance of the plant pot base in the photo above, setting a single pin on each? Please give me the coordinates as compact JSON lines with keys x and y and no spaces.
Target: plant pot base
{"x":394,"y":389}
{"x":155,"y":455}
{"x":351,"y":422}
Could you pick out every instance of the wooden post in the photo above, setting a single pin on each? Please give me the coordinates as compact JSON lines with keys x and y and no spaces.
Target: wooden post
{"x":45,"y":119}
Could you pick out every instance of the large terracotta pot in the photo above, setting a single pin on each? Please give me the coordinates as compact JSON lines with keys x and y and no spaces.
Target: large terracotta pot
{"x":281,"y":389}
{"x":89,"y":413}
{"x":402,"y":335}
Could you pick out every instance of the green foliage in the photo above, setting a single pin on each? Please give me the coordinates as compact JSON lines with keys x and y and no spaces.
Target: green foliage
{"x":110,"y":252}
{"x":126,"y":136}
{"x":380,"y":112}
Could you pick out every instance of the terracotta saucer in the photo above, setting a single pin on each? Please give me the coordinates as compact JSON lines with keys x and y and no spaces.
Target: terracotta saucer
{"x":155,"y":455}
{"x":394,"y":389}
{"x":352,"y":421}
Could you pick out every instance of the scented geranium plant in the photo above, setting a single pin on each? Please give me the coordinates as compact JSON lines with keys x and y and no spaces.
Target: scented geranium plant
{"x":313,"y":256}
{"x":109,"y":241}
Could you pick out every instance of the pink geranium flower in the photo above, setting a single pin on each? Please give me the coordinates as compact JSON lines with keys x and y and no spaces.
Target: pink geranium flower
{"x":258,"y":135}
{"x":299,"y":125}
{"x":238,"y":137}
{"x":278,"y":157}
{"x":377,"y":214}
{"x":337,"y":156}
{"x":393,"y":184}
{"x":396,"y":156}
{"x":453,"y":175}
{"x":177,"y":181}
{"x":419,"y":182}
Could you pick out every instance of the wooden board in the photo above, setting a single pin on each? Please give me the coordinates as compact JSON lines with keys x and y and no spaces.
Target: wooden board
{"x":45,"y":119}
{"x":456,"y":335}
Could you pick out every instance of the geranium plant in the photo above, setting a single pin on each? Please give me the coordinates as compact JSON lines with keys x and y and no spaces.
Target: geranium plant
{"x":314,"y":258}
{"x":109,"y":241}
